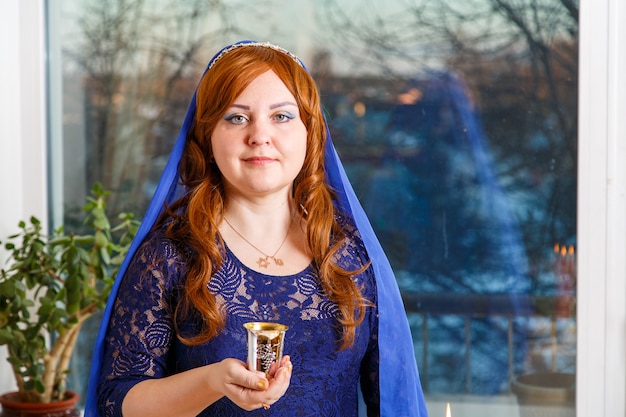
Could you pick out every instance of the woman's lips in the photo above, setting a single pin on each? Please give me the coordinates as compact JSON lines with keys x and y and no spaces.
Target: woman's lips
{"x":259,"y":160}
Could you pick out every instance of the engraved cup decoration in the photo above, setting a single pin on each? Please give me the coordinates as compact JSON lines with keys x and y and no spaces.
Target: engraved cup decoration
{"x":265,"y":345}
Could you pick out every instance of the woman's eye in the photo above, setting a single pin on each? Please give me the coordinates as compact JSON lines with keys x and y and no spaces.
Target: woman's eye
{"x":235,"y":118}
{"x":284,"y":117}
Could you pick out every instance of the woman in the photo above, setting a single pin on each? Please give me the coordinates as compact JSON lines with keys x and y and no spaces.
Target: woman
{"x":260,"y":224}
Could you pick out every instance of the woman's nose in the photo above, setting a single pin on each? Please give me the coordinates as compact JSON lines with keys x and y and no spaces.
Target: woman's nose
{"x":260,"y":132}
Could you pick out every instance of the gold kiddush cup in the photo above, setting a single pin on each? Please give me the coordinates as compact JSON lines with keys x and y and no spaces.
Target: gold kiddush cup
{"x":265,"y":345}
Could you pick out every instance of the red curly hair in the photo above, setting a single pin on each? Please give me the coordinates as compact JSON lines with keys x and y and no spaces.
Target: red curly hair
{"x":199,"y":213}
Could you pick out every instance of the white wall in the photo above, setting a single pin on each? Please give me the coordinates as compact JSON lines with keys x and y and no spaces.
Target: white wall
{"x":22,"y":124}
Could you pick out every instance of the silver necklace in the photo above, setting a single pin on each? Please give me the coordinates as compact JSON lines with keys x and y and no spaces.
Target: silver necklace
{"x":263,"y":261}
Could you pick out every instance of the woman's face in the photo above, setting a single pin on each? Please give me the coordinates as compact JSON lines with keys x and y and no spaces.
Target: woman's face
{"x":259,"y":144}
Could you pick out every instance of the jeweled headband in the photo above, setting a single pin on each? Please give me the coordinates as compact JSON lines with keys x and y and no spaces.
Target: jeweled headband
{"x":252,"y":43}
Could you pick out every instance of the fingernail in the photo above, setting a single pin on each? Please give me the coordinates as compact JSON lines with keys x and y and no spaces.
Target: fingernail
{"x":262,"y":384}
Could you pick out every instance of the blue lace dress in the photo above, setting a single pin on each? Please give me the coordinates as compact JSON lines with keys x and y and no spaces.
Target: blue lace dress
{"x":140,"y":342}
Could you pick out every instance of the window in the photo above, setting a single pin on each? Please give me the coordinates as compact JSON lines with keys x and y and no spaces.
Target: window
{"x":456,"y":121}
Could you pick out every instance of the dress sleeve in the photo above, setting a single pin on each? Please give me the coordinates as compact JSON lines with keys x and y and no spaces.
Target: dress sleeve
{"x":370,"y":368}
{"x":355,"y":257}
{"x":140,"y":330}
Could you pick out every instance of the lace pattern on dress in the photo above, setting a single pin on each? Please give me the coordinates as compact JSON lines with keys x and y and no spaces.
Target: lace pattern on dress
{"x":141,"y":342}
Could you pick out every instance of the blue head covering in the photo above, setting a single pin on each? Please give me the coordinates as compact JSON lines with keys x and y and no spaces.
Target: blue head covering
{"x":400,"y":389}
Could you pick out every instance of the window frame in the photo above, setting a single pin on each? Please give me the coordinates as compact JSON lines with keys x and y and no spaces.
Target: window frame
{"x":23,"y":131}
{"x":601,"y":229}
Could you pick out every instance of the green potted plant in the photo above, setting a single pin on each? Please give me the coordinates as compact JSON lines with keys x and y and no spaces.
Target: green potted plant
{"x":51,"y":285}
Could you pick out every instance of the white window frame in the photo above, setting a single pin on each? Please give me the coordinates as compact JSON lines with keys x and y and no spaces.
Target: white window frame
{"x":601,"y":316}
{"x":23,"y":133}
{"x":601,"y":291}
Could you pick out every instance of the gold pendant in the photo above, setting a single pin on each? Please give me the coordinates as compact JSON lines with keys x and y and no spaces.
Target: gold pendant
{"x":263,"y":262}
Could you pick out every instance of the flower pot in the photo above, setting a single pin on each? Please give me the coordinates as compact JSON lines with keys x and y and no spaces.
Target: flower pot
{"x":546,"y":394}
{"x":12,"y":407}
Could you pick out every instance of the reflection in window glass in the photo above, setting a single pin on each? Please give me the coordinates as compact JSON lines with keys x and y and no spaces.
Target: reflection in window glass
{"x":456,"y":121}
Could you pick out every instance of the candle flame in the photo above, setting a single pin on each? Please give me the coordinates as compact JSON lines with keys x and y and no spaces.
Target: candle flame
{"x":448,"y":413}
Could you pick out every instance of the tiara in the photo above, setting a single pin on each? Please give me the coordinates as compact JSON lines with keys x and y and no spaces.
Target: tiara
{"x":252,"y":43}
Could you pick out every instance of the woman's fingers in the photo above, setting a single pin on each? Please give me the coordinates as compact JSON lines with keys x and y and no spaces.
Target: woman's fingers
{"x":251,"y":389}
{"x":279,"y":382}
{"x":278,"y":385}
{"x":285,"y":362}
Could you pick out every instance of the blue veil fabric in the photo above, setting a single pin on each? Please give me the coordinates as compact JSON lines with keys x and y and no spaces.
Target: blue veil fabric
{"x":400,"y":388}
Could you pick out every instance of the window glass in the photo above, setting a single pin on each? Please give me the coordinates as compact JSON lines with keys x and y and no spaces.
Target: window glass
{"x":457,"y":124}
